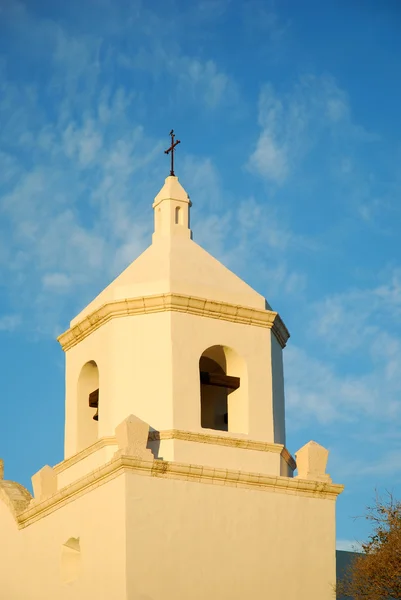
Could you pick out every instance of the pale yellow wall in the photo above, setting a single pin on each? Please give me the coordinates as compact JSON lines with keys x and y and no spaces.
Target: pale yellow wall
{"x":170,"y":220}
{"x":67,"y":473}
{"x":190,"y":337}
{"x":133,"y":356}
{"x":149,"y":366}
{"x":188,"y":540}
{"x":223,"y":457}
{"x":94,"y":348}
{"x":171,"y":211}
{"x":143,"y":371}
{"x":98,"y":520}
{"x":12,"y":565}
{"x":151,"y":538}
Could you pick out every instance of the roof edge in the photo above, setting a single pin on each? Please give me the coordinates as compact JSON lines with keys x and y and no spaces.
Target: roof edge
{"x":177,"y":303}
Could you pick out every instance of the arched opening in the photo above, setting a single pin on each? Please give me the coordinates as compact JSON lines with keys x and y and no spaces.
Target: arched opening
{"x":223,"y":390}
{"x":178,"y":215}
{"x":214,"y":400}
{"x":88,"y":396}
{"x":70,"y":560}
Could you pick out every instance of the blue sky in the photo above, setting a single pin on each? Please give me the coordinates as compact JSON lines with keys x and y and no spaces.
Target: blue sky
{"x":288,"y":114}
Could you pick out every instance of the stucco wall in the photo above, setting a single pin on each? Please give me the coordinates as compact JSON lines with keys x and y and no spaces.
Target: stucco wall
{"x":159,"y":381}
{"x":30,"y":559}
{"x":188,"y":540}
{"x":144,"y":537}
{"x":191,"y":336}
{"x":11,"y":563}
{"x":135,"y":376}
{"x":223,"y":457}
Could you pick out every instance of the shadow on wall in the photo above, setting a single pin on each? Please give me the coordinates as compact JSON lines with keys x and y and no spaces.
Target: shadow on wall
{"x":70,"y":560}
{"x":154,"y":443}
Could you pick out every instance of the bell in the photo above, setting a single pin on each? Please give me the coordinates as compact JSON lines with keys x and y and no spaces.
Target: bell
{"x":94,"y":403}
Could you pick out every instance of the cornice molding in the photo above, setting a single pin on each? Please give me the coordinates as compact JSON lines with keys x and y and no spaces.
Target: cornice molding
{"x":177,"y":303}
{"x":223,"y":440}
{"x":188,"y":436}
{"x":173,"y":470}
{"x":76,"y":458}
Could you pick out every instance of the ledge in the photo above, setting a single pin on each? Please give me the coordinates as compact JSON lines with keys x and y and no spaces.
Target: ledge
{"x":178,"y":471}
{"x":178,"y":303}
{"x":75,"y":458}
{"x":188,"y":436}
{"x":222,"y":440}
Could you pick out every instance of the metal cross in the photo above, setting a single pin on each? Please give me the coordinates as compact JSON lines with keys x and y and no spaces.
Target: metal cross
{"x":171,"y":149}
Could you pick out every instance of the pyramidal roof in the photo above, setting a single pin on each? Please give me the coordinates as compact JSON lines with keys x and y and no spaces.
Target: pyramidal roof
{"x":174,"y":263}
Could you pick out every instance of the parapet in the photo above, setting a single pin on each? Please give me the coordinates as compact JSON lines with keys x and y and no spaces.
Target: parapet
{"x":132,"y":438}
{"x":44,"y":483}
{"x":312,"y":461}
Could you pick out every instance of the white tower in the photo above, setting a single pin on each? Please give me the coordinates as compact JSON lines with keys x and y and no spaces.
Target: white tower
{"x":184,"y":344}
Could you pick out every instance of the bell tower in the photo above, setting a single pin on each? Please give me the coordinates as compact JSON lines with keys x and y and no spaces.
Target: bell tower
{"x":185,"y":345}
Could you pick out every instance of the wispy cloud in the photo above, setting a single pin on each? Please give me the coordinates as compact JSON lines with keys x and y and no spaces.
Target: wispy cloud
{"x":200,"y":82}
{"x":74,"y":163}
{"x":250,"y":229}
{"x":77,"y":170}
{"x":9,"y":322}
{"x":318,"y":390}
{"x":271,"y":155}
{"x":386,"y":465}
{"x":292,"y":123}
{"x":362,"y":321}
{"x":205,"y":82}
{"x":357,"y":312}
{"x":56,"y":282}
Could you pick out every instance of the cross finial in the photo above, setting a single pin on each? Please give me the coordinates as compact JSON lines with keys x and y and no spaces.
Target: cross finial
{"x":171,"y":149}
